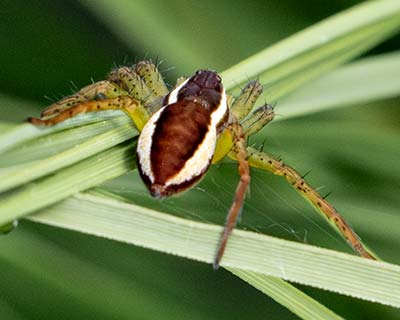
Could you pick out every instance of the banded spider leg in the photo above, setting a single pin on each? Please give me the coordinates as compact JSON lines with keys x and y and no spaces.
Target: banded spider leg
{"x":251,"y":125}
{"x":137,"y":90}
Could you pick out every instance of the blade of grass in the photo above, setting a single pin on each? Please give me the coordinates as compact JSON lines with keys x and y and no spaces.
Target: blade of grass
{"x":285,"y":85}
{"x":305,"y":264}
{"x":27,"y":131}
{"x":364,"y":81}
{"x":79,"y":282}
{"x":320,"y":41}
{"x":57,"y":142}
{"x":21,"y":173}
{"x":67,"y":182}
{"x":286,"y":295}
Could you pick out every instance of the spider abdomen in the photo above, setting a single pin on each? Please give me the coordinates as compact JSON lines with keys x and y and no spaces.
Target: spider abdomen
{"x":177,"y":144}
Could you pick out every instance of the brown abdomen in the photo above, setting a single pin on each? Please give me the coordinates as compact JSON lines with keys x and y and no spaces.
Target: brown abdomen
{"x":180,"y":129}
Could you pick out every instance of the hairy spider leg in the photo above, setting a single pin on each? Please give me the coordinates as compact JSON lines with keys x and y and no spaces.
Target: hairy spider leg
{"x":239,"y":148}
{"x":258,"y":119}
{"x":152,"y":77}
{"x":266,"y":162}
{"x":95,"y":91}
{"x":131,"y":82}
{"x":239,"y":108}
{"x":130,"y":105}
{"x":142,"y":81}
{"x":131,"y":89}
{"x":252,"y":124}
{"x":243,"y":105}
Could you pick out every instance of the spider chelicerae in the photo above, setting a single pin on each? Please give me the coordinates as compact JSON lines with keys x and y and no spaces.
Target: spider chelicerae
{"x":186,"y":129}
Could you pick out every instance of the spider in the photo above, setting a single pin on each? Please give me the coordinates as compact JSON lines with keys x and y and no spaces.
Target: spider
{"x":186,"y":129}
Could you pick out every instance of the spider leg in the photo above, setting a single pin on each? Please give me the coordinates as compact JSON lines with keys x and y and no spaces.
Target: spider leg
{"x":152,"y":77}
{"x":131,"y":89}
{"x":239,"y":149}
{"x":142,"y":81}
{"x":240,"y":109}
{"x":233,"y":141}
{"x":242,"y":106}
{"x":95,"y":91}
{"x":130,"y":105}
{"x":258,"y":119}
{"x":264,"y":161}
{"x":131,"y":82}
{"x":252,"y":124}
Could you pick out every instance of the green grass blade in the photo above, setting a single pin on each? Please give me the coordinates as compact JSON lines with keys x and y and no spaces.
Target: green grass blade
{"x":78,"y":283}
{"x":51,"y":143}
{"x":364,"y":81}
{"x":286,"y":295}
{"x":26,"y":132}
{"x":305,"y":264}
{"x":309,"y":48}
{"x":286,"y":85}
{"x":67,"y":182}
{"x":101,"y":137}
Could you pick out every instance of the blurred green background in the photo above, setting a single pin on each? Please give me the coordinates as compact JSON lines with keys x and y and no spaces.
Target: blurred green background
{"x":50,"y":273}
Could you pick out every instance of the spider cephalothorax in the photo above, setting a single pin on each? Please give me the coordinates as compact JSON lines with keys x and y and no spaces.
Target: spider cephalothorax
{"x":184,"y":130}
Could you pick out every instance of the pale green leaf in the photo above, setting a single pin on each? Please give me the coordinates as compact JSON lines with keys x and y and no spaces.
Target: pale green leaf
{"x":66,"y":182}
{"x":287,"y":295}
{"x":305,"y":264}
{"x":320,"y":43}
{"x":96,"y":138}
{"x":363,"y":81}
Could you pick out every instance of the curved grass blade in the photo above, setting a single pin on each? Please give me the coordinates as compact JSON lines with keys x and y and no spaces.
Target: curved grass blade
{"x":319,"y":42}
{"x":101,"y":139}
{"x":330,"y":270}
{"x":364,"y":81}
{"x":287,"y":295}
{"x":290,"y":83}
{"x":26,"y":132}
{"x":66,"y":182}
